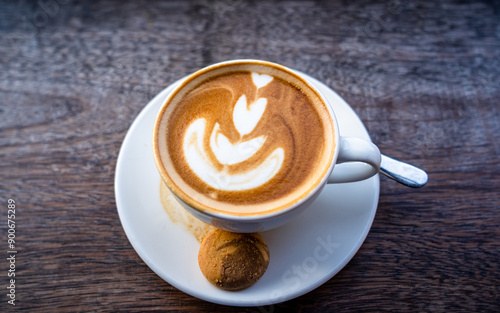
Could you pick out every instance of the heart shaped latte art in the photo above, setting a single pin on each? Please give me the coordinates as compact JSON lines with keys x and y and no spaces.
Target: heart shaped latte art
{"x":261,"y":80}
{"x":245,"y":119}
{"x":228,"y":153}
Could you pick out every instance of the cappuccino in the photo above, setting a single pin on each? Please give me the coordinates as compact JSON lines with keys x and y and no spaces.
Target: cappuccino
{"x":244,"y":139}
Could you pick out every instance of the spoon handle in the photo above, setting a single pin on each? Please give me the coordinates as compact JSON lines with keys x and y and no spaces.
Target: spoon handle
{"x":403,"y":173}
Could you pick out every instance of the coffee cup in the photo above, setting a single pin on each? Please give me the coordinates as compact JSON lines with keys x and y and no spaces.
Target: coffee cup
{"x":247,"y":145}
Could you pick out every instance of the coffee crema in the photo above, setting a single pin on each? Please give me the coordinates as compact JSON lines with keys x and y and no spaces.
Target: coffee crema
{"x":245,"y":141}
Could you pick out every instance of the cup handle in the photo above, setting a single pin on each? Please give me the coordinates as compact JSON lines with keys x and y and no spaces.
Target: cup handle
{"x":361,"y":160}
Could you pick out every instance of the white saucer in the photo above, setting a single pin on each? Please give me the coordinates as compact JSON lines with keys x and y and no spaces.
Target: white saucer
{"x":305,"y":253}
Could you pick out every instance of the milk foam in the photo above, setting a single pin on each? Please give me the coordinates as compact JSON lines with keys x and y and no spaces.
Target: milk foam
{"x":260,"y":80}
{"x":245,"y":119}
{"x":201,"y":165}
{"x":228,"y":153}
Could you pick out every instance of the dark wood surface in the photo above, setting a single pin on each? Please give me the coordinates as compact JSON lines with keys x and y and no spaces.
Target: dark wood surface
{"x":422,"y":75}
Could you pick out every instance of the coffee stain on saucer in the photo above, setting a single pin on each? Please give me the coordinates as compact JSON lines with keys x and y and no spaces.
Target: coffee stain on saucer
{"x":180,"y":216}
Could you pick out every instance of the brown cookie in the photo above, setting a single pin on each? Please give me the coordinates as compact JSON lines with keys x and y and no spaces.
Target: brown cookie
{"x":233,"y":261}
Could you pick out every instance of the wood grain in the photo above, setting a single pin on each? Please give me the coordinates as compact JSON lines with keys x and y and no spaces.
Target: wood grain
{"x":423,"y":76}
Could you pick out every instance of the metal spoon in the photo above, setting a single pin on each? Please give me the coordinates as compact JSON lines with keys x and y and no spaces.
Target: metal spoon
{"x":403,"y":173}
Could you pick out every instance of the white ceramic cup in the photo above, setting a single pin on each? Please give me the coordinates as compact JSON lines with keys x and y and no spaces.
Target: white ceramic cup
{"x":361,"y":160}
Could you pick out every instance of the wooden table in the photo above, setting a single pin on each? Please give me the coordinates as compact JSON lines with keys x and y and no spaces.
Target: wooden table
{"x":423,"y":76}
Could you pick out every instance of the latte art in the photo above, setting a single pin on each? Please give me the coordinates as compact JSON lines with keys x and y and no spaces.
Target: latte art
{"x":244,"y":140}
{"x":200,"y":163}
{"x":229,"y":153}
{"x":245,"y":118}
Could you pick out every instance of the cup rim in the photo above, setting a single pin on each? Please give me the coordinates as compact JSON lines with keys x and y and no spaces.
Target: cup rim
{"x":242,"y":217}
